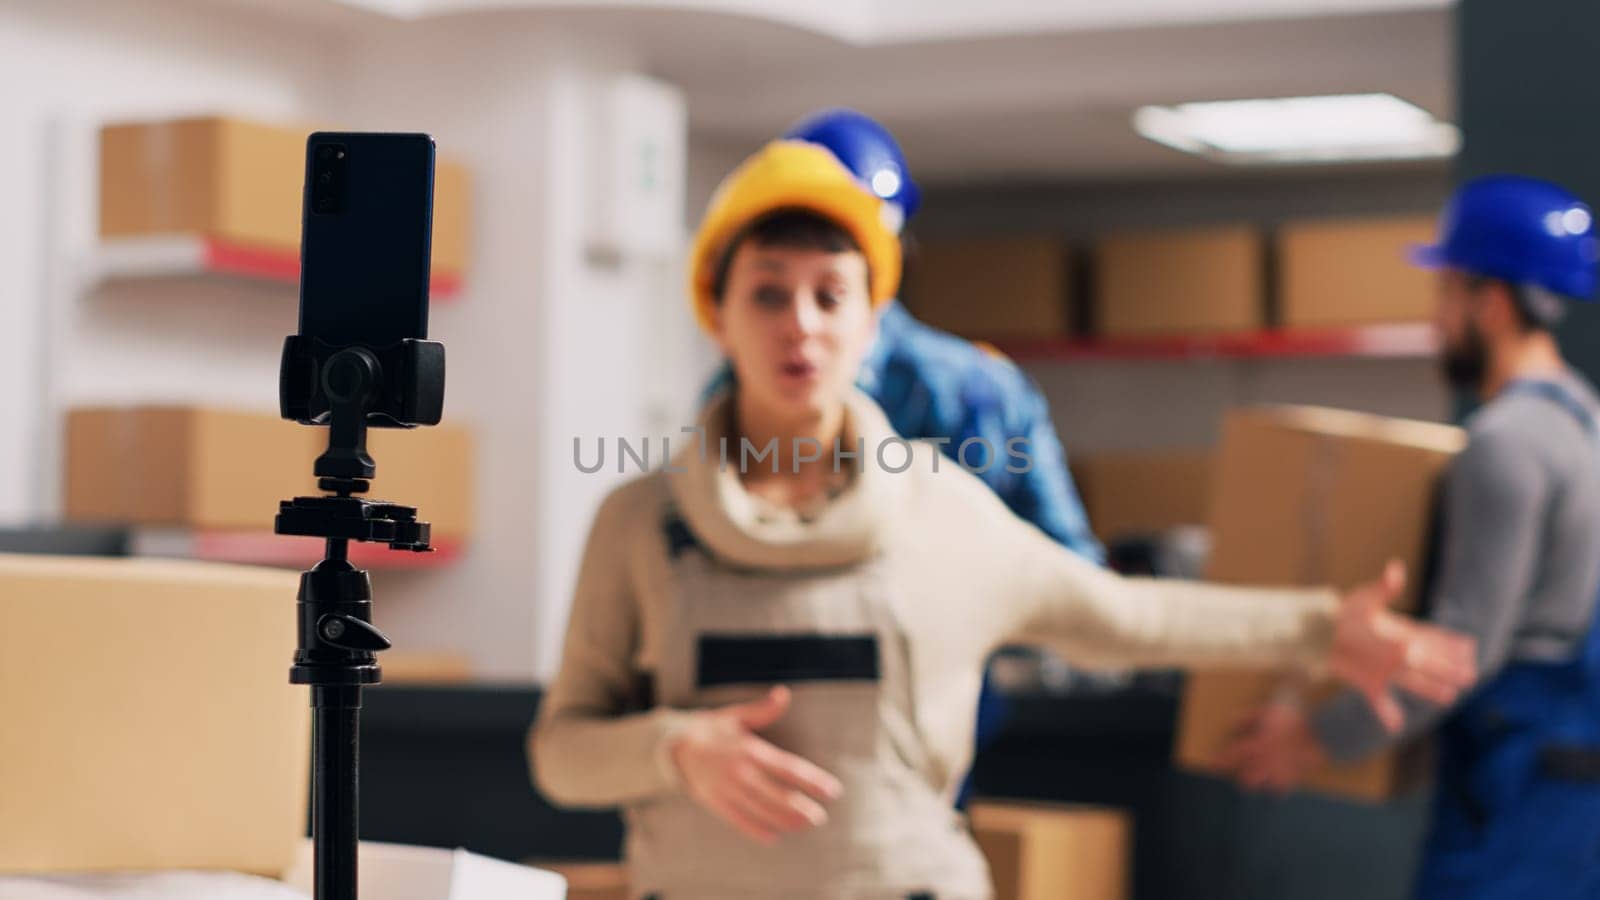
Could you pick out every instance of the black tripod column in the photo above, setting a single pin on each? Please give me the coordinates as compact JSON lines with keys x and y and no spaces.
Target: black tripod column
{"x":336,"y":731}
{"x":337,"y":655}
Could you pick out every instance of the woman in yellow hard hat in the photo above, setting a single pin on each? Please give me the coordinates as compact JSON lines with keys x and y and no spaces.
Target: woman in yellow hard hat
{"x":776,"y":642}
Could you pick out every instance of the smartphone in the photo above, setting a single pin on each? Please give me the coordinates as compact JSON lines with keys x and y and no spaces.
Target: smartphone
{"x":366,"y":235}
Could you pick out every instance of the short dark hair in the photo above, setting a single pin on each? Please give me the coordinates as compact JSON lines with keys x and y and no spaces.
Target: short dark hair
{"x":1537,"y":309}
{"x":793,"y":228}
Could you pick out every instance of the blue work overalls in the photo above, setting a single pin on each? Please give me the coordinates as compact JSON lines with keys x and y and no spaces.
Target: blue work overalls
{"x":1517,"y":814}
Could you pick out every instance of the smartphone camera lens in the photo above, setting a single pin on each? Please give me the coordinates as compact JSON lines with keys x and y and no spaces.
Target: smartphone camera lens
{"x":327,"y":179}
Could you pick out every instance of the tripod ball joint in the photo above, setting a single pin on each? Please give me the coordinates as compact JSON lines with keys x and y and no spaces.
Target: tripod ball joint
{"x":352,"y":375}
{"x":338,"y":642}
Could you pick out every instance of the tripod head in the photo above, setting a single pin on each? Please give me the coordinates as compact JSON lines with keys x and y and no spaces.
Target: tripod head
{"x":345,"y":388}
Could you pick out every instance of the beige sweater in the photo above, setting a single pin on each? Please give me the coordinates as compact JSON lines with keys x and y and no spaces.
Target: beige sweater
{"x":969,"y":577}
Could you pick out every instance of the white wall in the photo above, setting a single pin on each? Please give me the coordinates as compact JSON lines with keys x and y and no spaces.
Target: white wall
{"x":544,"y":345}
{"x":66,"y":66}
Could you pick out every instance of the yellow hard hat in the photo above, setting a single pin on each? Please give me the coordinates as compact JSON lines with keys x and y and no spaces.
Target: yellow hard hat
{"x":793,"y":175}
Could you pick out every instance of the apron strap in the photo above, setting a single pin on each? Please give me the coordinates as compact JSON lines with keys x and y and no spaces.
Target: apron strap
{"x":678,"y":536}
{"x":1562,"y":396}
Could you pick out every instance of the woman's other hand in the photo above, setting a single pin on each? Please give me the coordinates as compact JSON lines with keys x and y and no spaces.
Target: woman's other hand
{"x":745,"y":780}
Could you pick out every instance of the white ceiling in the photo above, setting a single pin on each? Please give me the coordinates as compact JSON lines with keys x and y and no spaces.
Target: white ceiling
{"x":1051,"y":105}
{"x":882,"y":22}
{"x":1009,"y":104}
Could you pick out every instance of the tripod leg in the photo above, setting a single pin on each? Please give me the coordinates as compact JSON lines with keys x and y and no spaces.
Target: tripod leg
{"x":335,"y":757}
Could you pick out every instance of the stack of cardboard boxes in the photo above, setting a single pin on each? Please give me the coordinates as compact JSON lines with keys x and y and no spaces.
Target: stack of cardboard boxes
{"x":1303,"y":275}
{"x":1216,"y":280}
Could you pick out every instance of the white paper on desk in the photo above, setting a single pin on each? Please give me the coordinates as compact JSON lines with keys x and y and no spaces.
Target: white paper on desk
{"x":171,"y":885}
{"x":477,"y":877}
{"x":401,"y":872}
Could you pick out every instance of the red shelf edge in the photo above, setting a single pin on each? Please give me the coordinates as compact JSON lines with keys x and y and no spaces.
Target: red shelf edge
{"x":1375,"y":341}
{"x":274,"y":264}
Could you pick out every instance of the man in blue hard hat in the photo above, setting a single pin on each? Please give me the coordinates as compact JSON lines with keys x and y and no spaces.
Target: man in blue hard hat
{"x":1517,"y":810}
{"x":936,"y":386}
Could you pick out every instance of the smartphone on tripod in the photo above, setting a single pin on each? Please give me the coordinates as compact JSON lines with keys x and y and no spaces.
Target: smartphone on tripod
{"x":366,"y":238}
{"x":361,"y":358}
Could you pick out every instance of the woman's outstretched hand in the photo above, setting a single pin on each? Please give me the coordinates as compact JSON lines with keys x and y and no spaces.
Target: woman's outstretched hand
{"x":1376,"y":650}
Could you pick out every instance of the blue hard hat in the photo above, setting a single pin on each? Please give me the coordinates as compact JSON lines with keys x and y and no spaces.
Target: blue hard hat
{"x":867,"y":149}
{"x":1521,"y":230}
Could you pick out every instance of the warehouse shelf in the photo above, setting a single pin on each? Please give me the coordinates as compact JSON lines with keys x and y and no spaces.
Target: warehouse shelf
{"x":192,"y":255}
{"x":1400,"y":341}
{"x":266,"y":549}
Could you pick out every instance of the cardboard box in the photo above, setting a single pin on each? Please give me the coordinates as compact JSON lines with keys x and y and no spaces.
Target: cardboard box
{"x":992,"y":287}
{"x":420,"y":667}
{"x":591,"y":880}
{"x":1048,"y":852}
{"x":202,"y":468}
{"x":149,"y":719}
{"x":1309,"y":496}
{"x":401,"y":872}
{"x":1195,"y":281}
{"x":1353,"y":272}
{"x":1142,"y":493}
{"x":238,"y":181}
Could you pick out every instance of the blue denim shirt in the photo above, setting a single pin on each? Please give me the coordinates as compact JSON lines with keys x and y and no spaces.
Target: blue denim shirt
{"x":934,"y":385}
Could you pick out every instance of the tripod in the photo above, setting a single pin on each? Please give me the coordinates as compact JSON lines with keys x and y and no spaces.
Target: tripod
{"x":338,"y":647}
